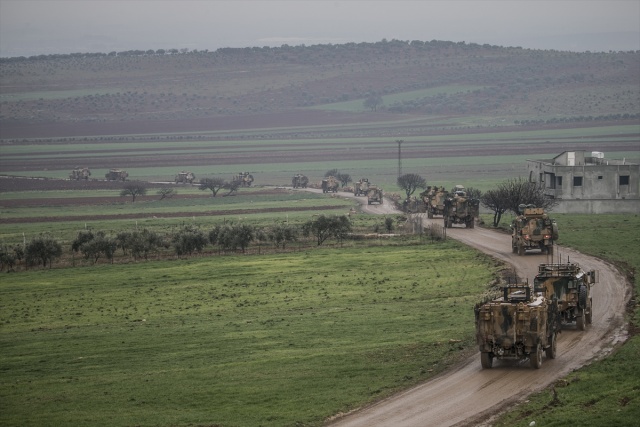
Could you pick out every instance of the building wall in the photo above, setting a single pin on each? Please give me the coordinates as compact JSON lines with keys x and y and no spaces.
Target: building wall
{"x":598,"y":206}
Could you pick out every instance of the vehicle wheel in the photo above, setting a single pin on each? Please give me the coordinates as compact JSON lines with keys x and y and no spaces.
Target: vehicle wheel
{"x":471,"y":224}
{"x":582,"y":297}
{"x":536,"y":357}
{"x":520,"y":250}
{"x":551,"y":351}
{"x":590,"y":314}
{"x":580,"y":320}
{"x":486,"y":360}
{"x":550,"y":249}
{"x":514,"y":249}
{"x":430,"y":215}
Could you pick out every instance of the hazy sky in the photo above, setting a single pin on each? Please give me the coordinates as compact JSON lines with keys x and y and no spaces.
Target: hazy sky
{"x":32,"y":27}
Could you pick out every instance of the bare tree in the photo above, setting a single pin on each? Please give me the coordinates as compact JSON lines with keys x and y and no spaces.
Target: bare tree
{"x":166,"y":193}
{"x":134,"y":190}
{"x":497,"y":201}
{"x":410,"y":182}
{"x":212,"y":184}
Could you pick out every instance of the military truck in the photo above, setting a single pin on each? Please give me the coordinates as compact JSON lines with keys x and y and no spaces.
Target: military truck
{"x":243,"y":179}
{"x":299,"y":181}
{"x":460,"y":209}
{"x":330,"y":184}
{"x":571,"y":287}
{"x":183,"y":177}
{"x":374,"y":195}
{"x":533,"y":229}
{"x":360,"y":188}
{"x":517,"y":325}
{"x":433,"y":198}
{"x":116,"y":175}
{"x":80,"y":173}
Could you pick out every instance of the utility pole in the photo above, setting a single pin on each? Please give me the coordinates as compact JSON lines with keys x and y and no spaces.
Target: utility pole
{"x":399,"y":141}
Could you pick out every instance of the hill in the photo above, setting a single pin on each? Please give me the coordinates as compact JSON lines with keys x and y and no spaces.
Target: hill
{"x":141,"y":92}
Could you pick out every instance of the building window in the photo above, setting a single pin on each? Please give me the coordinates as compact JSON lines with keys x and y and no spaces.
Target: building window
{"x":577,"y":181}
{"x":599,"y":177}
{"x":624,"y":179}
{"x":559,"y":178}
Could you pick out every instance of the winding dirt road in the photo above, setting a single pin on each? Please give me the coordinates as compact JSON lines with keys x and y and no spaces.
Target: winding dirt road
{"x":469,"y":395}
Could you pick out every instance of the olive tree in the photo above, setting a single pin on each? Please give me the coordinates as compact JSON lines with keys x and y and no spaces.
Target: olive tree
{"x":134,"y":190}
{"x":410,"y":182}
{"x":42,"y":250}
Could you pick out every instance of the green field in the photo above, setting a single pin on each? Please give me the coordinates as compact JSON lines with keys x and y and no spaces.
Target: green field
{"x":257,"y":340}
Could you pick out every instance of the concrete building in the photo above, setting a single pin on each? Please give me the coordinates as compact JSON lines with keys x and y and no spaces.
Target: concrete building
{"x":586,"y":182}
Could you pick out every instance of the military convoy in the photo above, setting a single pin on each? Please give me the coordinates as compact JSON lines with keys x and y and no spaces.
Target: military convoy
{"x":299,"y":181}
{"x":517,"y":325}
{"x":570,"y":286}
{"x":243,"y":179}
{"x":459,"y":208}
{"x":533,"y":229}
{"x":361,"y":187}
{"x":184,"y":177}
{"x":433,"y":198}
{"x":116,"y":175}
{"x":80,"y":173}
{"x":330,"y":184}
{"x":375,"y":195}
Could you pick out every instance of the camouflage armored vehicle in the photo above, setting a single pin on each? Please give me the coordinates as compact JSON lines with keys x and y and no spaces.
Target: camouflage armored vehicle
{"x":360,"y":188}
{"x":183,"y":177}
{"x":116,"y":175}
{"x":518,"y":325}
{"x":330,"y":184}
{"x":299,"y":181}
{"x":460,"y":209}
{"x":80,"y":173}
{"x":243,"y":179}
{"x":571,"y":287}
{"x":433,"y":198}
{"x":533,"y":229}
{"x":374,"y":195}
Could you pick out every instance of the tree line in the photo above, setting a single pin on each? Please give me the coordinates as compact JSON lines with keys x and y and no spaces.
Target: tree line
{"x":92,"y":245}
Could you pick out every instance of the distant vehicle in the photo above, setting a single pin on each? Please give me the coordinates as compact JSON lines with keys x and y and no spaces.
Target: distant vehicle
{"x":518,"y":325}
{"x":433,"y":198}
{"x":183,"y":177}
{"x":80,"y":173}
{"x":571,"y":287}
{"x":243,"y":179}
{"x":460,"y":209}
{"x":533,"y":229}
{"x":299,"y":181}
{"x":375,"y":195}
{"x":330,"y":184}
{"x":116,"y":175}
{"x":360,"y":188}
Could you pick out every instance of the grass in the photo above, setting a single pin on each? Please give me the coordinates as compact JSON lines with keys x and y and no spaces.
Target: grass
{"x":243,"y":341}
{"x":606,"y":392}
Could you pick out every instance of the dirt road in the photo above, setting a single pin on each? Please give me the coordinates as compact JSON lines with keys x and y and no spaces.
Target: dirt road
{"x":469,"y":395}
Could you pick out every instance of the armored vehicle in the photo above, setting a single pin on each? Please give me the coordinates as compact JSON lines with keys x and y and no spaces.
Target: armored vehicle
{"x":374,"y":195}
{"x":80,"y":173}
{"x":243,"y":179}
{"x":299,"y":181}
{"x":360,"y":188}
{"x":183,"y":177}
{"x":460,"y":209}
{"x":533,"y":229}
{"x":116,"y":175}
{"x":518,"y":325}
{"x":571,"y":287}
{"x":330,"y":184}
{"x":433,"y":198}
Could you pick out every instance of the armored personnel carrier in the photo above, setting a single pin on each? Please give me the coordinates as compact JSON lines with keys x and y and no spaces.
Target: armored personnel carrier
{"x":433,"y":198}
{"x":299,"y":181}
{"x":330,"y":184}
{"x":80,"y":173}
{"x":243,"y":179}
{"x":570,"y":286}
{"x":375,"y":195}
{"x":185,"y":177}
{"x":518,"y":325}
{"x":460,"y":209}
{"x":116,"y":175}
{"x":361,"y":187}
{"x":533,"y":229}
